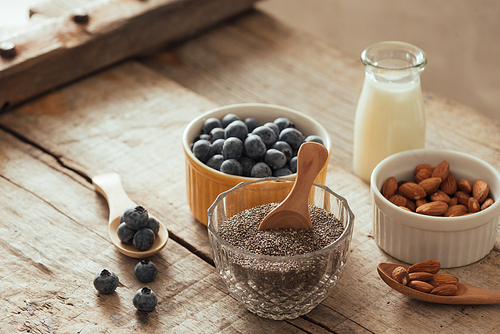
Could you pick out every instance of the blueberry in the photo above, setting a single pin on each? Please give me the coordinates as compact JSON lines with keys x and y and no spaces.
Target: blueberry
{"x":145,"y":300}
{"x":231,"y":166}
{"x":228,"y":119}
{"x":205,"y":136}
{"x":106,"y":281}
{"x":293,"y":164}
{"x":260,"y":169}
{"x":314,"y":138}
{"x":144,"y":239}
{"x":125,"y":233}
{"x":293,"y":137}
{"x":284,"y":147}
{"x":154,"y":225}
{"x":254,"y":147}
{"x":217,"y":133}
{"x":201,"y":150}
{"x":136,"y":217}
{"x":283,"y":123}
{"x":251,"y":123}
{"x":273,"y":126}
{"x":246,"y":166}
{"x":216,"y":161}
{"x":284,"y":171}
{"x":267,"y":135}
{"x":145,"y":271}
{"x":232,"y":148}
{"x":275,"y":159}
{"x":209,"y":124}
{"x":216,"y":147}
{"x":237,"y":129}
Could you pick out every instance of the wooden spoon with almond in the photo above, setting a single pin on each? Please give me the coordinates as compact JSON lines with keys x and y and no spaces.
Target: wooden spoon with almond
{"x":466,"y":294}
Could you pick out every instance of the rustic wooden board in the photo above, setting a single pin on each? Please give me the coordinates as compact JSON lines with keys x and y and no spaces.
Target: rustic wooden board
{"x":104,"y":122}
{"x":57,"y":50}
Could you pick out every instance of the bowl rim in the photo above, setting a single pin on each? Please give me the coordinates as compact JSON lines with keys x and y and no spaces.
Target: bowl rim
{"x":347,"y":233}
{"x":433,"y":223}
{"x":240,"y":178}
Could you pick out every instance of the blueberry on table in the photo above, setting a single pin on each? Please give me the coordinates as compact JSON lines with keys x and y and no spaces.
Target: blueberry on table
{"x":254,"y":147}
{"x":284,"y":171}
{"x":267,"y":135}
{"x":246,"y":166}
{"x":154,"y":225}
{"x":232,"y":148}
{"x":273,"y":126}
{"x":201,"y":150}
{"x":217,"y":133}
{"x":216,"y":147}
{"x":125,"y":233}
{"x":231,"y":166}
{"x":143,"y":239}
{"x":260,"y":169}
{"x":145,"y":300}
{"x":251,"y":123}
{"x":145,"y":271}
{"x":215,"y":162}
{"x":136,"y":217}
{"x":283,"y":147}
{"x":209,"y":124}
{"x":228,"y":119}
{"x":293,"y":137}
{"x":314,"y":138}
{"x":275,"y":159}
{"x":106,"y":281}
{"x":236,"y":129}
{"x":293,"y":164}
{"x":283,"y":123}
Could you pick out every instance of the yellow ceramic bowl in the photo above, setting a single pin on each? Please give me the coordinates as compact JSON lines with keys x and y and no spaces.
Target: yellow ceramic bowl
{"x":204,"y":184}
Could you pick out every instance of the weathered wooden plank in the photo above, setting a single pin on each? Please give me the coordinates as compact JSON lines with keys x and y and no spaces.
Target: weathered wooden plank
{"x":58,"y":50}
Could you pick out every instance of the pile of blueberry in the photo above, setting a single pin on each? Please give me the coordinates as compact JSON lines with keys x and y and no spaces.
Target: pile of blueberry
{"x":138,"y":228}
{"x":246,"y":148}
{"x":145,"y":271}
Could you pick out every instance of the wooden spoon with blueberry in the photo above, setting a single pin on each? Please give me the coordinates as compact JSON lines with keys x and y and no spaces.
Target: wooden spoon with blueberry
{"x":132,"y":230}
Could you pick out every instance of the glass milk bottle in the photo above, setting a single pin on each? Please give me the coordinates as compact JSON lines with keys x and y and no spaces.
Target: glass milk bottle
{"x":390,"y":115}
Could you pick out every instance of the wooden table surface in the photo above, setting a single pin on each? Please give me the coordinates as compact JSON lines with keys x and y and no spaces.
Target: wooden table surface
{"x":129,"y":119}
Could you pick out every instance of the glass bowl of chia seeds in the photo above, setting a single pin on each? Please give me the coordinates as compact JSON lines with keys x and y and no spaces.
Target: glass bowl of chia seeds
{"x":279,"y":273}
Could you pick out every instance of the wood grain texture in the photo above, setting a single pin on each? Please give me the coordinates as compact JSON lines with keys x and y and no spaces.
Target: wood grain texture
{"x":129,"y":119}
{"x":57,"y":50}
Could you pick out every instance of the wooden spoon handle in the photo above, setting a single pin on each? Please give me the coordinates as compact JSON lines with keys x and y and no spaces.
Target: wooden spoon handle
{"x":110,"y":186}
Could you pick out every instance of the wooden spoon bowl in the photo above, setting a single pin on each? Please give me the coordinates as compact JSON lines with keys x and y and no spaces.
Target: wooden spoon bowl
{"x":110,"y":186}
{"x":466,"y":294}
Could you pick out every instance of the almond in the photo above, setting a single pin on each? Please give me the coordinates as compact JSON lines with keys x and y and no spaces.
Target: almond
{"x":410,"y":205}
{"x":453,"y":201}
{"x":456,"y":210}
{"x":440,"y":195}
{"x":480,"y":190}
{"x":445,"y":290}
{"x":463,"y":198}
{"x":428,"y":266}
{"x":420,"y":286}
{"x":473,"y":206}
{"x":443,"y":279}
{"x":464,"y":185}
{"x":412,"y":191}
{"x":487,"y":203}
{"x":422,"y":175}
{"x":423,"y":166}
{"x":421,"y":276}
{"x":433,"y":208}
{"x":389,"y":188}
{"x":398,"y":200}
{"x":400,"y":275}
{"x":405,"y":208}
{"x":442,"y":170}
{"x":430,"y":185}
{"x":420,"y":202}
{"x":449,"y":185}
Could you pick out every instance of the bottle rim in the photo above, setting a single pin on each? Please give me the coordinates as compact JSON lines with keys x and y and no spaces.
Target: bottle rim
{"x":408,"y":55}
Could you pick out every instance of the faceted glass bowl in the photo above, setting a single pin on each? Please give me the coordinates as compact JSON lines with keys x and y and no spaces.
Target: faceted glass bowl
{"x":278,"y":287}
